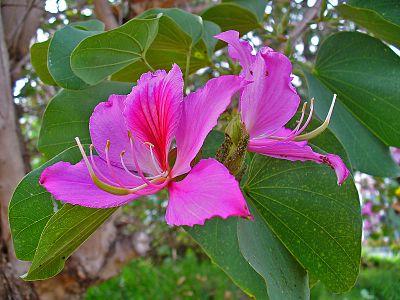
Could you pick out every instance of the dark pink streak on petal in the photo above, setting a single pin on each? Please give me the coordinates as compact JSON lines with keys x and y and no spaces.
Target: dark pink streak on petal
{"x":201,"y":111}
{"x":153,"y":109}
{"x":270,"y":101}
{"x":208,"y":191}
{"x":72,"y":184}
{"x":299,"y":151}
{"x":239,"y":51}
{"x":107,"y":123}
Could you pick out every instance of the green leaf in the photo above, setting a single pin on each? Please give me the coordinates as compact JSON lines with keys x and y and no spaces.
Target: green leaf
{"x":218,"y":238}
{"x":382,"y":17}
{"x":255,"y":6}
{"x":210,"y":30}
{"x":39,"y":61}
{"x":213,"y":141}
{"x":171,"y":45}
{"x":32,"y":206}
{"x":104,"y":54}
{"x":364,"y":73}
{"x":91,"y":25}
{"x":61,"y":46}
{"x":59,"y":130}
{"x":63,"y":234}
{"x":318,"y":221}
{"x":189,"y":23}
{"x":285,"y":278}
{"x":232,"y":16}
{"x":366,"y":152}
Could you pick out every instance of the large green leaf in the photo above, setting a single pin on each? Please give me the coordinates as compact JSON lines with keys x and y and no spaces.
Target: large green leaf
{"x":63,"y":234}
{"x":67,"y":116}
{"x":382,"y":17}
{"x":318,"y":221}
{"x":218,"y":238}
{"x":104,"y":54}
{"x":189,"y":23}
{"x":210,"y":30}
{"x":172,"y":45}
{"x":61,"y":46}
{"x":255,"y":6}
{"x":366,"y":152}
{"x":232,"y":16}
{"x":32,"y":206}
{"x":285,"y":278}
{"x":39,"y":61}
{"x":364,"y":73}
{"x":92,"y":25}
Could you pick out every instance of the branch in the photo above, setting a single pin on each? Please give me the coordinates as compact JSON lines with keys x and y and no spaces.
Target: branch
{"x":299,"y":28}
{"x":308,"y":17}
{"x":104,"y":13}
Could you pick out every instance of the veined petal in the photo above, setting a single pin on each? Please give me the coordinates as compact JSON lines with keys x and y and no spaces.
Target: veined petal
{"x":209,"y":190}
{"x":238,"y":50}
{"x":200,"y":113}
{"x":270,"y":101}
{"x":72,"y":184}
{"x":107,"y":123}
{"x":153,"y":109}
{"x":299,"y":151}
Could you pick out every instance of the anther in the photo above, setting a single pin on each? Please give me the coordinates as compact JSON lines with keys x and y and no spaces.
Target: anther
{"x":136,"y":161}
{"x":96,"y":168}
{"x":110,"y":168}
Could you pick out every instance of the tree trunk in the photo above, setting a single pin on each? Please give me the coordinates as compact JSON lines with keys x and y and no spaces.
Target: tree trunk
{"x":108,"y":249}
{"x":11,"y":171}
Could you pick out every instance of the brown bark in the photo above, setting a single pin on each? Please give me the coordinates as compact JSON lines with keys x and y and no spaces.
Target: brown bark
{"x":104,"y":13}
{"x":108,"y":249}
{"x":11,"y":171}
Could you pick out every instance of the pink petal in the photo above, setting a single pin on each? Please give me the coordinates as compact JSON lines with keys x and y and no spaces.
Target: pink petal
{"x":153,"y":109}
{"x":107,"y":123}
{"x":72,"y":184}
{"x":299,"y":151}
{"x":208,"y":191}
{"x":270,"y":101}
{"x":200,"y":113}
{"x":238,"y":50}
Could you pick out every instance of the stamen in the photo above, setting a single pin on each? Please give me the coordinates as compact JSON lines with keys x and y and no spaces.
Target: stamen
{"x":110,"y":168}
{"x":109,"y":188}
{"x":320,"y":129}
{"x":100,"y":184}
{"x":303,"y":110}
{"x":156,"y":165}
{"x":96,"y":168}
{"x":121,"y":155}
{"x":308,"y":119}
{"x":136,"y":161}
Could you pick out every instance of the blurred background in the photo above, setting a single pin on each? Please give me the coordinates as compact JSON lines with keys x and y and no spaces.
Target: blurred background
{"x":136,"y":255}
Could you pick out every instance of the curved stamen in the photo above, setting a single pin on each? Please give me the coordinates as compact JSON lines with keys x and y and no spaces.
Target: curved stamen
{"x":320,"y":129}
{"x":96,"y":168}
{"x":156,"y":165}
{"x":109,"y":188}
{"x":136,"y":162}
{"x":110,"y":168}
{"x":121,"y":155}
{"x":303,"y":110}
{"x":308,"y":119}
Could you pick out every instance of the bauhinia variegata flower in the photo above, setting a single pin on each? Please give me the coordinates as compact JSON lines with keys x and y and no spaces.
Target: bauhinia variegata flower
{"x":133,"y":136}
{"x":270,"y":101}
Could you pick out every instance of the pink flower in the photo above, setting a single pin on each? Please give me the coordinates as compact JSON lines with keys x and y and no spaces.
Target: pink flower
{"x":367,"y":209}
{"x":270,"y":101}
{"x":133,"y":136}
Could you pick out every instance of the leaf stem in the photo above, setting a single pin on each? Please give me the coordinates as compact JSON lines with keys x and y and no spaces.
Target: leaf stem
{"x":187,"y":67}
